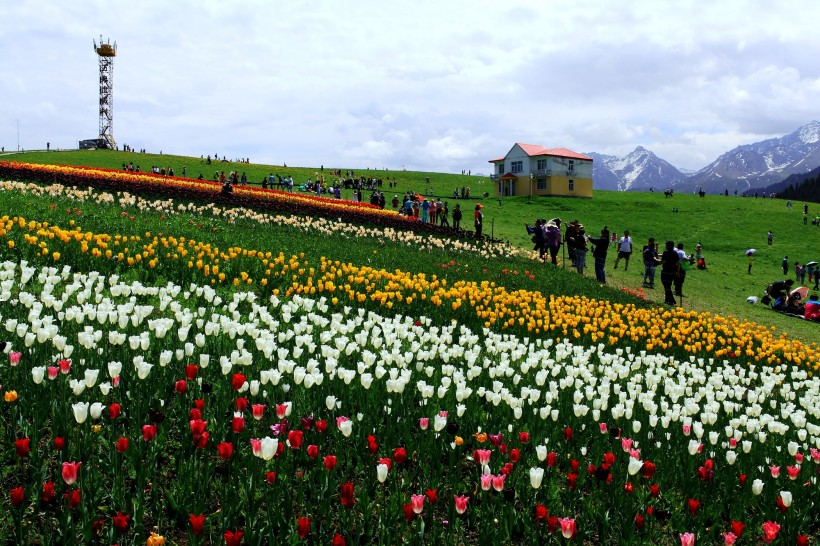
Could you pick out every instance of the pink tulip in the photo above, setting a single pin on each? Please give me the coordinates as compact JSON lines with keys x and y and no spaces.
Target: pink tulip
{"x":256,"y":447}
{"x":482,"y":456}
{"x":729,"y":538}
{"x":603,"y":428}
{"x":418,"y":503}
{"x":626,"y":444}
{"x":258,"y":411}
{"x":687,"y":430}
{"x":14,"y":357}
{"x":568,"y":527}
{"x":53,"y":371}
{"x":815,"y":454}
{"x":770,"y":530}
{"x":424,"y":422}
{"x":793,"y":472}
{"x":775,"y":470}
{"x":461,"y":503}
{"x":70,"y":470}
{"x":687,"y":539}
{"x":486,"y":481}
{"x":498,"y":482}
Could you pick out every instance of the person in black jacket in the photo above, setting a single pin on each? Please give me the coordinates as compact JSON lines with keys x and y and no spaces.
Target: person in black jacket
{"x":601,"y":245}
{"x":538,"y":237}
{"x":670,"y":269}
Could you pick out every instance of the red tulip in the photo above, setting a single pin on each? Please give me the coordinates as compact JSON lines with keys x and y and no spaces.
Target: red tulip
{"x":114,"y":410}
{"x":233,"y":538}
{"x":330,"y":462}
{"x":241,"y":404}
{"x":770,"y":530}
{"x":780,"y":506}
{"x":197,"y":524}
{"x":181,"y":386}
{"x":400,"y":455}
{"x":552,"y":524}
{"x":313,"y":451}
{"x":48,"y":492}
{"x":638,"y":521}
{"x":258,"y":411}
{"x":321,"y":426}
{"x":121,"y":522}
{"x":190,"y":372}
{"x":270,"y":477}
{"x":409,"y":514}
{"x":552,"y":459}
{"x":69,"y":472}
{"x":609,"y":458}
{"x":74,"y":498}
{"x":432,"y":495}
{"x":568,"y":434}
{"x":742,"y":479}
{"x":22,"y":446}
{"x":654,"y":490}
{"x":197,"y":426}
{"x":348,"y":498}
{"x":524,"y":437}
{"x":149,"y":432}
{"x":295,"y":438}
{"x":59,"y":443}
{"x":17,"y":496}
{"x":693,"y":506}
{"x":303,"y":527}
{"x":237,"y":424}
{"x":572,"y":479}
{"x":65,"y":366}
{"x":237,"y":381}
{"x":122,"y":445}
{"x":628,"y":488}
{"x":515,"y":455}
{"x":737,"y":528}
{"x":199,"y":404}
{"x":541,"y":513}
{"x":802,"y":540}
{"x":201,"y":440}
{"x":386,"y":461}
{"x":648,"y":469}
{"x":574,"y":465}
{"x":225,"y":450}
{"x":338,"y":540}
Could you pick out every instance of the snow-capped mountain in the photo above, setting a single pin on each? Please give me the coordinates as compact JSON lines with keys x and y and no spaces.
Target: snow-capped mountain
{"x":639,"y":170}
{"x":748,"y":166}
{"x":761,"y":164}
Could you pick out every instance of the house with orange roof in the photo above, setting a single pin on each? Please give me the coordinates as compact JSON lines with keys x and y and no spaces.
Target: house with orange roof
{"x":529,"y":169}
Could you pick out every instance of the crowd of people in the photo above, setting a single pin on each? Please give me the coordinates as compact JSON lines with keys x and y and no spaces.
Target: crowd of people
{"x":673,"y":259}
{"x":793,"y":301}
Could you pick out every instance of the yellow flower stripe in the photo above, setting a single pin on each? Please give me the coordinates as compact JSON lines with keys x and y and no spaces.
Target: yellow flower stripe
{"x":654,"y":329}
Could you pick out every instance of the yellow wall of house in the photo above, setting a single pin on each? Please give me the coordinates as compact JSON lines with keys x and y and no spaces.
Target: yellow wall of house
{"x":556,"y":185}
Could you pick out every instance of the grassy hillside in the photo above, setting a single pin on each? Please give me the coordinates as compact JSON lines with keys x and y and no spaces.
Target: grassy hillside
{"x":726,"y":226}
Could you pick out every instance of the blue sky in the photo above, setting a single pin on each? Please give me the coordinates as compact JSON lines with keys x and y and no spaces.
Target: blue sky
{"x":425,"y":85}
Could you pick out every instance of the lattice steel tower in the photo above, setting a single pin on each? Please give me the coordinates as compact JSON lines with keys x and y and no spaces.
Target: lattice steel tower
{"x":106,"y":53}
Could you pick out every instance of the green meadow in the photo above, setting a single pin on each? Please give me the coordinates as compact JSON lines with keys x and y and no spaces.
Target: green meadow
{"x":725,"y":226}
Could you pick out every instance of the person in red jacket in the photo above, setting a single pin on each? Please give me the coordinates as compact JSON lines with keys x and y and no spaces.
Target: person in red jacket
{"x":812,"y":311}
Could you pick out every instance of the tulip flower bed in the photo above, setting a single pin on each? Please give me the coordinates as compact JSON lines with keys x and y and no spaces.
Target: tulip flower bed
{"x":203,"y":190}
{"x":205,"y":417}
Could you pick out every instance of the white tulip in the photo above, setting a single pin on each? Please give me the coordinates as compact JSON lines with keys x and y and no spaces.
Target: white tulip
{"x":381,"y":472}
{"x":439,"y":423}
{"x":536,"y":475}
{"x":105,"y":388}
{"x":346,"y":428}
{"x":757,"y":487}
{"x":787,"y":498}
{"x":143,"y":369}
{"x":636,"y":426}
{"x":541,"y":452}
{"x":77,"y":387}
{"x":80,"y":410}
{"x":37,"y":374}
{"x":114,"y":369}
{"x":793,"y":448}
{"x":91,"y":377}
{"x":330,"y":402}
{"x":731,"y":457}
{"x":96,"y":410}
{"x":634,"y":466}
{"x":269,"y":447}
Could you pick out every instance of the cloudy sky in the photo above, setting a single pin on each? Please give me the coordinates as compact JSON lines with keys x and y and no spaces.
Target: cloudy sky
{"x":424,"y":84}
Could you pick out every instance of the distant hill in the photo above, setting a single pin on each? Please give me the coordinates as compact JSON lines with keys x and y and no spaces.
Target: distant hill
{"x":800,"y":187}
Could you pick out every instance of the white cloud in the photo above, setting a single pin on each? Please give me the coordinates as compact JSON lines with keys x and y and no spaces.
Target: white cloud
{"x":425,"y":84}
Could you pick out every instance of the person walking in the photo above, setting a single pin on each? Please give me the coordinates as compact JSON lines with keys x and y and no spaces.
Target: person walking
{"x":770,"y":237}
{"x":670,"y":268}
{"x":553,"y":239}
{"x":624,"y":250}
{"x":457,"y":217}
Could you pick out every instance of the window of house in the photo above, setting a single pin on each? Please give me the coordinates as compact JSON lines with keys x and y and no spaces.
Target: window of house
{"x":501,"y":168}
{"x":542,"y":184}
{"x":517,"y":166}
{"x":542,"y":164}
{"x":571,"y":185}
{"x":571,"y":165}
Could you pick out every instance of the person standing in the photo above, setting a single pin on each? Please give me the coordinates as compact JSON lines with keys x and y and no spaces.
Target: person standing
{"x":553,"y":239}
{"x":785,"y":265}
{"x":750,"y":254}
{"x":570,"y":236}
{"x":538,"y":237}
{"x":599,"y":253}
{"x":650,"y":261}
{"x":580,"y":248}
{"x":445,"y":212}
{"x":478,"y":218}
{"x":770,"y":238}
{"x":624,"y":250}
{"x":685,"y":262}
{"x":457,"y":217}
{"x":670,"y":268}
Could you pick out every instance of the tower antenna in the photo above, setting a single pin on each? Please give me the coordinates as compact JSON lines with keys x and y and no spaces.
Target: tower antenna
{"x":106,"y":53}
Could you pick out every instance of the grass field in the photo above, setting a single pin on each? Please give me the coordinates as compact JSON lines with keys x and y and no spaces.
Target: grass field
{"x":726,"y":226}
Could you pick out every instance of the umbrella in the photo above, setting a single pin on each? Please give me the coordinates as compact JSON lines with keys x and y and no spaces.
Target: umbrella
{"x":751,"y":251}
{"x":803,"y":291}
{"x":811,"y":263}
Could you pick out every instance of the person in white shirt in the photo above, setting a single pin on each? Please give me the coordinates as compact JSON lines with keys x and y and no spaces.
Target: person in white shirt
{"x":624,"y":250}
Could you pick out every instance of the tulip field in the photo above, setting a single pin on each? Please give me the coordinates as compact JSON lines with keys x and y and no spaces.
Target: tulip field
{"x":162,"y":386}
